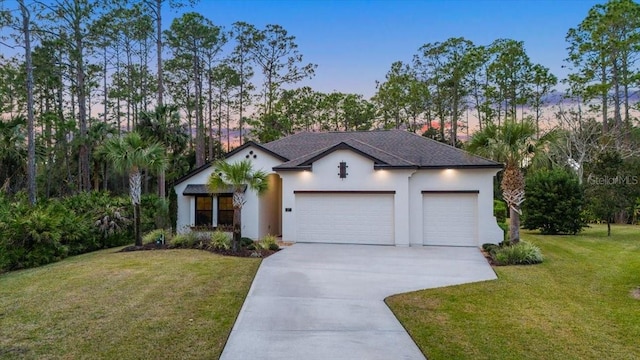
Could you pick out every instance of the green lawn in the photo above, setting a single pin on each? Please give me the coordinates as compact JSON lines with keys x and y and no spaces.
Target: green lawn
{"x":576,"y":305}
{"x":173,"y":304}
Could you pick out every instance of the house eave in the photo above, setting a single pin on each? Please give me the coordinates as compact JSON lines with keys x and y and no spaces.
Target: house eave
{"x":461,"y":167}
{"x":293,"y":168}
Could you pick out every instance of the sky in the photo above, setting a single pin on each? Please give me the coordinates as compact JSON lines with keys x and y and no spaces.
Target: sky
{"x":354,"y":42}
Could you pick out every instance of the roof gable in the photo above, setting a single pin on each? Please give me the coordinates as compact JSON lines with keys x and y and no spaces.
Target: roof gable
{"x":228,"y":155}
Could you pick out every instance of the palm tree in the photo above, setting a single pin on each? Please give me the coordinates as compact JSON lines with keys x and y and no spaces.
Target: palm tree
{"x":13,"y":151}
{"x":131,"y":154}
{"x":163,"y":126}
{"x":237,"y":175}
{"x":514,"y":144}
{"x":98,"y":133}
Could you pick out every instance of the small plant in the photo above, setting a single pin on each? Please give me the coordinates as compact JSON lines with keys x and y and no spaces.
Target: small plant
{"x":268,"y":242}
{"x":251,"y":246}
{"x":522,"y":253}
{"x":220,"y":240}
{"x":154,"y":235}
{"x":187,"y":240}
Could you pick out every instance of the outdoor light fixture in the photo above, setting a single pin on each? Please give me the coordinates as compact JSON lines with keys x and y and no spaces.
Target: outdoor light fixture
{"x":343,"y":170}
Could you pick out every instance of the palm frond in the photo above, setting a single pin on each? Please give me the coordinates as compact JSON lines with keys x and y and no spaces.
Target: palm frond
{"x":237,"y":175}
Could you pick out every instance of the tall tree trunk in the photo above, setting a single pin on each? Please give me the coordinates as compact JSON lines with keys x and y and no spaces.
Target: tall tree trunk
{"x":31,"y":151}
{"x":454,"y":118}
{"x":135,"y":188}
{"x":210,"y":112}
{"x":159,"y":51}
{"x":136,"y":227}
{"x":240,"y":121}
{"x":605,"y":100}
{"x":200,"y":148}
{"x":237,"y":226}
{"x":85,"y":179}
{"x":104,"y":87}
{"x":514,"y":226}
{"x":616,"y":103}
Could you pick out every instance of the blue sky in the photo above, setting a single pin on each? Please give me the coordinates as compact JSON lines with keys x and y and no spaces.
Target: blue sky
{"x":354,"y":42}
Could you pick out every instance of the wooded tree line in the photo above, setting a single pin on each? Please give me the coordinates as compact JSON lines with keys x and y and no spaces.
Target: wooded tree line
{"x":103,"y":68}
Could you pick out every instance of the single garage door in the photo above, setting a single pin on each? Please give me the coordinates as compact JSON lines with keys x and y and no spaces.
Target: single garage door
{"x":346,"y":218}
{"x":450,"y":218}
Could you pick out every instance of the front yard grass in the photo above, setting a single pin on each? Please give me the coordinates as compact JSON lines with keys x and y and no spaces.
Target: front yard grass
{"x":578,"y":304}
{"x":169,"y":304}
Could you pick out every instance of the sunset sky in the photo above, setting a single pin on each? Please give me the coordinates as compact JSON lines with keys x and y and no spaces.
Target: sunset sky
{"x":354,"y":42}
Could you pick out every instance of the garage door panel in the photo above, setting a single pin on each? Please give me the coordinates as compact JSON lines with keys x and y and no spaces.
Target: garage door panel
{"x":345,"y":218}
{"x":450,"y":219}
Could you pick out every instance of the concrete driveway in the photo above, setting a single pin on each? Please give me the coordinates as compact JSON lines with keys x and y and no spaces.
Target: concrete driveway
{"x":325,"y":301}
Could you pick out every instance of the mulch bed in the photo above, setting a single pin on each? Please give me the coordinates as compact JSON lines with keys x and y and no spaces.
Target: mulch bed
{"x":489,"y":258}
{"x":240,"y":253}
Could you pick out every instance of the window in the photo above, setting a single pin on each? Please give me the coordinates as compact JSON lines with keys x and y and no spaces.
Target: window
{"x":225,"y":210}
{"x":204,"y":211}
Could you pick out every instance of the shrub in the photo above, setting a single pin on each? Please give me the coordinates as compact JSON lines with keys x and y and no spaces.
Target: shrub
{"x":187,"y":240}
{"x":220,"y":240}
{"x":34,"y":236}
{"x":267,"y":242}
{"x":154,"y":213}
{"x":245,"y":241}
{"x":554,"y":203}
{"x":500,"y":210}
{"x":251,"y":246}
{"x":522,"y":253}
{"x":274,"y":247}
{"x":490,"y":248}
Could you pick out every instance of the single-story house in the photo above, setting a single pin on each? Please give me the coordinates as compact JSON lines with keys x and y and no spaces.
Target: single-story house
{"x":388,"y":187}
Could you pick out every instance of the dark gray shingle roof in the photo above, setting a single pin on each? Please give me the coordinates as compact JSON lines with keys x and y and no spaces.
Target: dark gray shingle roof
{"x":388,"y":148}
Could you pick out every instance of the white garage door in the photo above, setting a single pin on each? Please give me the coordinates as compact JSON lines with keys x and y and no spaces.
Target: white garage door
{"x":346,"y":218}
{"x":450,"y":219}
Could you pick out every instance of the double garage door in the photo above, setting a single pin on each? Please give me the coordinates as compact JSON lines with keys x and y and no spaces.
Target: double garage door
{"x":448,"y":218}
{"x":346,"y":218}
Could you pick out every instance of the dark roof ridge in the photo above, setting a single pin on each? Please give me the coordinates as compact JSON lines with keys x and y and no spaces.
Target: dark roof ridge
{"x":383,"y":151}
{"x":309,"y":155}
{"x":340,"y":146}
{"x":352,"y":131}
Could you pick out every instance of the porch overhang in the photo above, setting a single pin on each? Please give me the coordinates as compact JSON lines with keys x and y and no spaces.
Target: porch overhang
{"x":202,"y":189}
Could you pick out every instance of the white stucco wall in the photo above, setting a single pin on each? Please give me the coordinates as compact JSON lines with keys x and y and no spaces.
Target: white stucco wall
{"x":187,"y":204}
{"x":455,"y":180}
{"x":250,"y":211}
{"x":263,"y":216}
{"x":362,"y":176}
